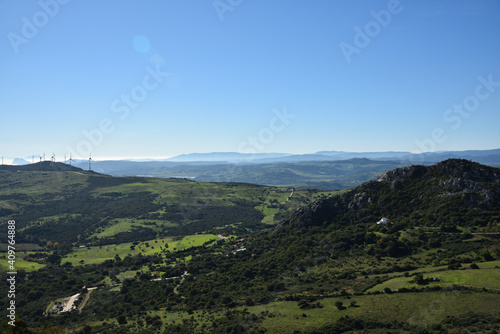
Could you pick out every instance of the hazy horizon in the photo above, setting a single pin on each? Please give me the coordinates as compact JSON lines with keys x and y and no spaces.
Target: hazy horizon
{"x":36,"y":158}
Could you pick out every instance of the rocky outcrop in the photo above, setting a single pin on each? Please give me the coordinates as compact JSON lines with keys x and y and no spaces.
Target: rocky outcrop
{"x":359,"y":202}
{"x":465,"y":169}
{"x":455,"y":186}
{"x":408,"y":172}
{"x":316,"y":212}
{"x":478,"y":194}
{"x":455,"y":168}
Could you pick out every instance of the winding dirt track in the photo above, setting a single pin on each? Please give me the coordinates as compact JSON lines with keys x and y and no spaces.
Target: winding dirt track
{"x":69,"y":305}
{"x":87,"y":296}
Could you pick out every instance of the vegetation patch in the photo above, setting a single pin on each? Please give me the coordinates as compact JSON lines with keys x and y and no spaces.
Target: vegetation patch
{"x":485,"y":276}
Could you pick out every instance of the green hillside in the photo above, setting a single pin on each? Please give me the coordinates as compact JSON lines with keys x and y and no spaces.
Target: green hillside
{"x":328,"y":267}
{"x":90,"y":208}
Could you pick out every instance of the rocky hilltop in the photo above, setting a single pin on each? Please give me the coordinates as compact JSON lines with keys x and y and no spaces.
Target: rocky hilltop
{"x":450,"y":190}
{"x":455,"y":168}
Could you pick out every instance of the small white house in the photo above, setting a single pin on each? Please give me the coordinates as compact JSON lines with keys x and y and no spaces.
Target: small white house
{"x":383,"y":221}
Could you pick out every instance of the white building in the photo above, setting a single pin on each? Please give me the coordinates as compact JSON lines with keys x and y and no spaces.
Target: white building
{"x":383,"y":221}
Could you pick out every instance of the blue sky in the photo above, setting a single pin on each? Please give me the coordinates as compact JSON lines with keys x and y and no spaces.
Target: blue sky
{"x":154,"y":79}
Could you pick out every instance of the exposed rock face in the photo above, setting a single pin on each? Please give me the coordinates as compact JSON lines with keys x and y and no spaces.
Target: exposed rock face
{"x":456,"y":168}
{"x":464,"y":179}
{"x":478,"y":194}
{"x":455,"y":186}
{"x":459,"y":168}
{"x":319,"y":210}
{"x":408,"y":172}
{"x":359,"y":201}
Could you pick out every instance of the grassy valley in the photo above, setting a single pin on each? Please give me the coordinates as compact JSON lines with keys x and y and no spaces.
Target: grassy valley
{"x":342,"y":174}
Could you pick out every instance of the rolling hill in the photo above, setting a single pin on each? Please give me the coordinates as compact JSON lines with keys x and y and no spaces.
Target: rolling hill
{"x":57,"y":202}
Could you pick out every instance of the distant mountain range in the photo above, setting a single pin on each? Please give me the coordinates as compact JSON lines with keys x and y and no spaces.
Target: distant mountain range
{"x":481,"y":156}
{"x":227,"y":157}
{"x":324,"y":169}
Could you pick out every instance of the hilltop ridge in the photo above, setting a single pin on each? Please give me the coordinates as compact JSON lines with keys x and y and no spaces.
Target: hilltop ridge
{"x":457,"y":168}
{"x":43,"y":166}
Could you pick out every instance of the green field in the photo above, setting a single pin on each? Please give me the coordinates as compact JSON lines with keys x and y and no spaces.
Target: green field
{"x":194,"y":241}
{"x":99,"y":254}
{"x":487,"y":276}
{"x":126,"y":225}
{"x":420,"y":309}
{"x":20,"y":262}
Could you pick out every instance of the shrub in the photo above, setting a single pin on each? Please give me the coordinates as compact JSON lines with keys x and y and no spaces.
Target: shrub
{"x":122,"y":320}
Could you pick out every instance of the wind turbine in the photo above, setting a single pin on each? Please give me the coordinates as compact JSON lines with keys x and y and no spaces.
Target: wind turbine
{"x":52,"y":159}
{"x":70,"y":159}
{"x":90,"y":162}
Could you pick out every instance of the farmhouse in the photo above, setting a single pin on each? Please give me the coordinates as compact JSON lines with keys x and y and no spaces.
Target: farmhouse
{"x":383,"y":221}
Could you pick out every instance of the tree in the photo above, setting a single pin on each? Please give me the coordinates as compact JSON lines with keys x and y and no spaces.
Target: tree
{"x":122,"y":320}
{"x":228,"y":301}
{"x":339,"y":305}
{"x":145,"y":276}
{"x":54,"y":258}
{"x":419,"y":279}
